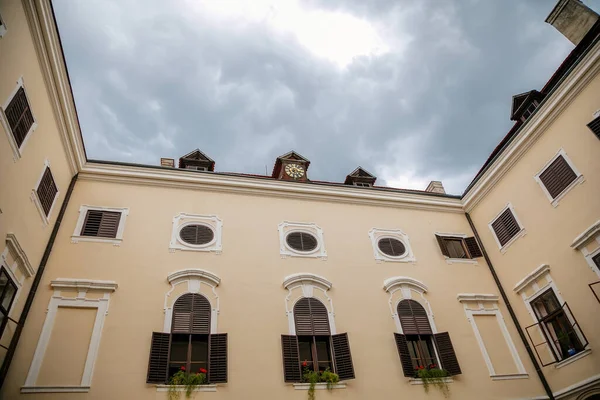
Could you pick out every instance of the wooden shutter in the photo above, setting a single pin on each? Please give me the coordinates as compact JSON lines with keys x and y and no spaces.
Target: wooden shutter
{"x":101,"y":223}
{"x":413,"y":318}
{"x":342,"y":356}
{"x":473,"y":247}
{"x":442,"y":244}
{"x":47,"y":191}
{"x":311,"y":318}
{"x":446,"y":352}
{"x":291,"y":358}
{"x":19,"y":116}
{"x":505,"y":227}
{"x":158,"y":365}
{"x":217,"y":364}
{"x":595,"y":127}
{"x":557,"y":176}
{"x":405,"y":359}
{"x":191,"y":314}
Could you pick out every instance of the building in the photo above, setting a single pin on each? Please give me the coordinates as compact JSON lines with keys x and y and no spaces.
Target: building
{"x":115,"y":275}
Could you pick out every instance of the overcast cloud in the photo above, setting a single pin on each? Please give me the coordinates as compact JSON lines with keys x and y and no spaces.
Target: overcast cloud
{"x":412,"y":91}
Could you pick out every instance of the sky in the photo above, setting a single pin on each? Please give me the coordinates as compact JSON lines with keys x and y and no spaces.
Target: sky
{"x":412,"y":91}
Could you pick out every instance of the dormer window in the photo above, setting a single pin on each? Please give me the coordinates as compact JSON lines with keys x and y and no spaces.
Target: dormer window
{"x":363,"y":184}
{"x":529,"y":111}
{"x":197,"y":161}
{"x":360,"y":177}
{"x":524,"y":104}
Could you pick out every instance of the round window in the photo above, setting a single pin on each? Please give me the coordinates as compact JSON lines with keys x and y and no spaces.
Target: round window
{"x":301,"y":241}
{"x":391,"y":247}
{"x":196,"y":234}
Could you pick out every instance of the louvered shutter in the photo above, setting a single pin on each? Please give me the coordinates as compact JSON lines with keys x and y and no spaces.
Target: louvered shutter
{"x":473,"y":247}
{"x":291,"y":358}
{"x":301,"y":241}
{"x":47,"y":191}
{"x":557,"y":176}
{"x":196,"y":234}
{"x":446,"y":352}
{"x":217,"y":364}
{"x":311,"y":318}
{"x":442,"y":244}
{"x":342,"y":356}
{"x":302,"y":317}
{"x":158,"y":364}
{"x":404,"y":354}
{"x":191,"y":314}
{"x":101,"y":223}
{"x":19,"y":116}
{"x":505,"y":227}
{"x":391,"y":247}
{"x":595,"y":127}
{"x":413,"y":318}
{"x":200,"y":315}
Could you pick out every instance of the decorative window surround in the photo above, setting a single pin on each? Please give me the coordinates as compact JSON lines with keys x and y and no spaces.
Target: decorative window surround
{"x":193,"y":281}
{"x":36,"y":200}
{"x":17,"y":151}
{"x":401,"y":288}
{"x":457,"y":260}
{"x":305,"y":285}
{"x":376,"y":234}
{"x":578,"y":180}
{"x":318,"y":386}
{"x":586,"y":235}
{"x":182,"y":220}
{"x":181,"y":388}
{"x":583,"y":243}
{"x":14,"y":247}
{"x":531,"y":277}
{"x":286,"y":228}
{"x":474,"y":305}
{"x":83,"y":210}
{"x":58,"y":300}
{"x":521,"y":233}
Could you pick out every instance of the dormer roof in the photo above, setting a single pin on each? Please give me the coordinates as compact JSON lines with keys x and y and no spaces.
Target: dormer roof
{"x":291,"y":155}
{"x":197,"y":157}
{"x":521,"y":101}
{"x":360,"y":175}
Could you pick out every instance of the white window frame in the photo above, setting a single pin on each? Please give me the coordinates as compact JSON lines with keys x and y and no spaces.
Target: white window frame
{"x":286,"y":227}
{"x":584,"y":240}
{"x":36,"y":200}
{"x":21,"y":261}
{"x":522,"y":232}
{"x":83,"y":210}
{"x":578,"y":180}
{"x":80,"y":301}
{"x":17,"y":151}
{"x":376,"y":234}
{"x":182,"y":220}
{"x":450,"y":260}
{"x":474,"y":305}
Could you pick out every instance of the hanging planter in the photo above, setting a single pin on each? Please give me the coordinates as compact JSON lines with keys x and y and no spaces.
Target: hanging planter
{"x":189,"y":380}
{"x":313,"y":377}
{"x":433,"y":376}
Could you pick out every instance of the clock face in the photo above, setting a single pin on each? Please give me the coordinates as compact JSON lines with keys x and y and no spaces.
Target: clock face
{"x":294,"y":170}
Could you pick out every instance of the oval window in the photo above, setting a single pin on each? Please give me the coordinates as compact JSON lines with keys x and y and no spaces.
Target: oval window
{"x":196,"y":234}
{"x":301,"y":241}
{"x":391,"y":247}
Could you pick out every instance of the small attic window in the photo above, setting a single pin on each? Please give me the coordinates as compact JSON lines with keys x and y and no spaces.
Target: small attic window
{"x":529,"y":111}
{"x":363,"y":184}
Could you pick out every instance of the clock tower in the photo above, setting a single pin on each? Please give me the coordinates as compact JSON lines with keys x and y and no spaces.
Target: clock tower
{"x":291,"y":167}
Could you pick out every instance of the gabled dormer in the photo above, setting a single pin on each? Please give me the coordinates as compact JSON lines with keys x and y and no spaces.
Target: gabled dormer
{"x":524,"y":104}
{"x":197,"y":160}
{"x":291,"y":167}
{"x":360,"y":177}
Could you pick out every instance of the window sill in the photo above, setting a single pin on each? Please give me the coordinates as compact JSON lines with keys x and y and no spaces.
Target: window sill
{"x":419,"y":381}
{"x":318,"y":386}
{"x":574,"y":358}
{"x":461,"y":261}
{"x":114,"y":241}
{"x":55,"y":389}
{"x":505,"y":377}
{"x":520,"y":234}
{"x":181,"y":388}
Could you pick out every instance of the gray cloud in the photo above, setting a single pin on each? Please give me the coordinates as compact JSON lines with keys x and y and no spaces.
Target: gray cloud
{"x":153,"y":79}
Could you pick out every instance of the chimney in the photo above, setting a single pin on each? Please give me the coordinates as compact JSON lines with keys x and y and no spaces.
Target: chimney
{"x":435,"y":187}
{"x":167,"y":162}
{"x":573,"y":19}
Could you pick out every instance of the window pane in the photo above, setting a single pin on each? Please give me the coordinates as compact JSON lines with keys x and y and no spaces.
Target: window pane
{"x":179,"y":348}
{"x":9,"y":295}
{"x":199,"y":348}
{"x":455,"y":248}
{"x":323,"y":353}
{"x":305,"y":349}
{"x":545,"y":304}
{"x":3,"y":281}
{"x":175,"y":367}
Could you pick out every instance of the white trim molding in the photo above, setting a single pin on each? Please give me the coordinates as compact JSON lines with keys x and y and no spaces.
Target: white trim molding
{"x":182,"y":388}
{"x":83,"y":210}
{"x":377,"y":234}
{"x":531,"y":277}
{"x":318,"y":386}
{"x":79,"y":301}
{"x":522,"y":232}
{"x":17,"y":150}
{"x":391,"y":283}
{"x":406,"y":288}
{"x":578,"y":179}
{"x":182,"y":220}
{"x":36,"y":200}
{"x":286,"y":227}
{"x":588,"y":243}
{"x":586,"y":235}
{"x":193,"y":280}
{"x":18,"y":254}
{"x":475,"y":304}
{"x":307,"y":285}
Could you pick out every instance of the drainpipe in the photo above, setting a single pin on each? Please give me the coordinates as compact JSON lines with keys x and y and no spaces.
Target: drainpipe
{"x":513,"y":316}
{"x":34,"y":286}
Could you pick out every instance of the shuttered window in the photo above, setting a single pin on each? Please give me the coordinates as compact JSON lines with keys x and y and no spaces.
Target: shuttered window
{"x":311,"y":317}
{"x":47,"y":191}
{"x":391,"y":247}
{"x":595,"y":126}
{"x":196,"y":234}
{"x":100,"y":223}
{"x":557,"y":176}
{"x":8,"y":290}
{"x":191,"y":314}
{"x":458,"y":247}
{"x":19,"y":116}
{"x":301,"y":241}
{"x":505,"y":227}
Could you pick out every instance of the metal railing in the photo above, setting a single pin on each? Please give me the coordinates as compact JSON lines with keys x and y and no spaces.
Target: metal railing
{"x":595,"y":291}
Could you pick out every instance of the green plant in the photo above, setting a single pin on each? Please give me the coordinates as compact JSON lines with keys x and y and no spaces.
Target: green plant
{"x":433,"y":376}
{"x":313,"y":377}
{"x":330,"y":378}
{"x":190,"y":381}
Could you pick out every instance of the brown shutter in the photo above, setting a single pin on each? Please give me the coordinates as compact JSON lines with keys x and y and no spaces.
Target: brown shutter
{"x":19,"y":116}
{"x":473,"y":247}
{"x":446,"y":352}
{"x":404,"y":354}
{"x":413,"y":318}
{"x":505,"y":227}
{"x":391,"y":247}
{"x":101,"y":223}
{"x":595,"y":127}
{"x":442,"y":244}
{"x":47,"y":191}
{"x":342,"y":356}
{"x":557,"y":176}
{"x":311,"y":317}
{"x":191,"y":314}
{"x":200,"y":315}
{"x":217,"y":364}
{"x":291,"y":358}
{"x":158,"y":365}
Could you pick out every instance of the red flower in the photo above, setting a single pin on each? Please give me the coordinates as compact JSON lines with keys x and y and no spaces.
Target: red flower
{"x":305,"y":364}
{"x":182,"y":368}
{"x":202,"y":370}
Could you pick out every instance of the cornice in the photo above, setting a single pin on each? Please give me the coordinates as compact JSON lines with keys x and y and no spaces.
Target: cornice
{"x":531,"y":277}
{"x":462,"y":297}
{"x":395,"y":281}
{"x":194,"y":273}
{"x":306,"y":277}
{"x":17,"y":251}
{"x":86,"y":284}
{"x":586,"y":235}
